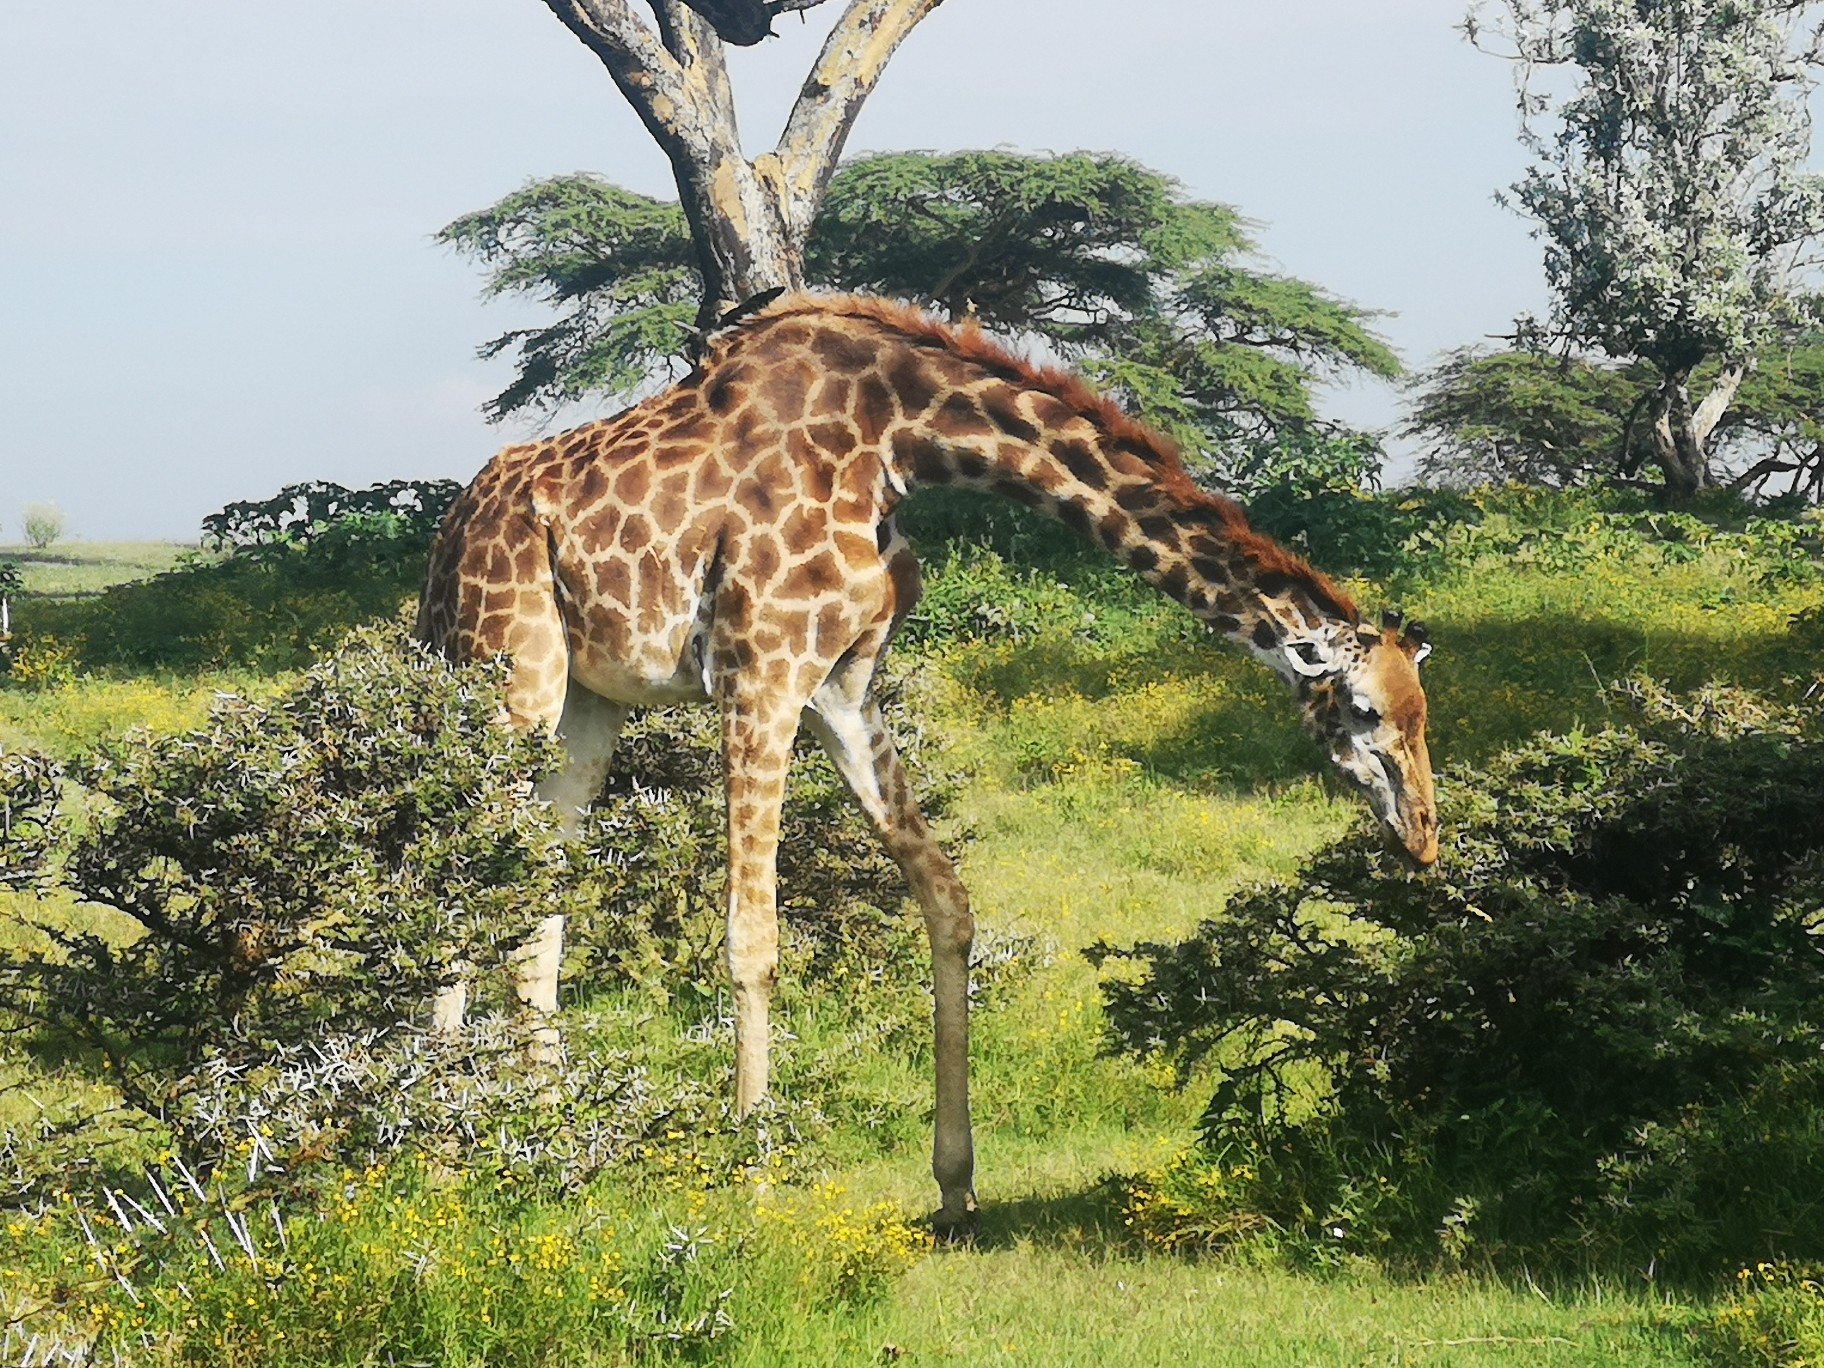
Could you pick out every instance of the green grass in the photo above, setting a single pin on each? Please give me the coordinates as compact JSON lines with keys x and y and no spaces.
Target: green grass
{"x":78,"y":569}
{"x":1125,"y":775}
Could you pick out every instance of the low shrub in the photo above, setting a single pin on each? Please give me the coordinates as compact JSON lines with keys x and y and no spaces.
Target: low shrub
{"x":301,"y":876}
{"x":1594,"y":1028}
{"x":392,"y":1263}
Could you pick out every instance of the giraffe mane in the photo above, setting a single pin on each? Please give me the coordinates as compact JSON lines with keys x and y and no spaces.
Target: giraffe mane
{"x":1159,"y":451}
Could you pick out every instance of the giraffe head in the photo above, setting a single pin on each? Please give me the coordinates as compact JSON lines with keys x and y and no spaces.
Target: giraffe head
{"x":1359,"y":689}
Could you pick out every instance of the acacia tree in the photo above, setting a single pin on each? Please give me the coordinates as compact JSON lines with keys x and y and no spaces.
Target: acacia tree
{"x":1530,"y":418}
{"x":1522,"y":417}
{"x":748,"y":218}
{"x":1103,"y":258}
{"x":1667,"y":189}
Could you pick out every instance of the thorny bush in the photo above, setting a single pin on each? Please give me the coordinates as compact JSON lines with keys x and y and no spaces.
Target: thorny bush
{"x":279,"y":895}
{"x":1597,"y":1026}
{"x":296,"y":876}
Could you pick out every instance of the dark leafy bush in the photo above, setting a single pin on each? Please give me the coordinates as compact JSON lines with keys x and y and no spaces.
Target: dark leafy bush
{"x":28,"y":814}
{"x":652,"y":863}
{"x":317,"y":510}
{"x":303,"y":568}
{"x":1597,"y":1025}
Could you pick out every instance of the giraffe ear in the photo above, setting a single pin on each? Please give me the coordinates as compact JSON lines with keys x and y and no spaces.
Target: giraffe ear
{"x":1416,"y":642}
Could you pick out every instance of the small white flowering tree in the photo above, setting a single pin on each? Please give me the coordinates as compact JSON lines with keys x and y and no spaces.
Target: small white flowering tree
{"x":1668,"y":137}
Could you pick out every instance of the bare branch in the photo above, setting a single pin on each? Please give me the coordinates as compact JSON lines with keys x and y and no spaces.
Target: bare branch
{"x":647,"y":74}
{"x":845,"y":73}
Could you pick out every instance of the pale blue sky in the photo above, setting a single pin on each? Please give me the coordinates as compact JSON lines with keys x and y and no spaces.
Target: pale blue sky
{"x":216,"y":267}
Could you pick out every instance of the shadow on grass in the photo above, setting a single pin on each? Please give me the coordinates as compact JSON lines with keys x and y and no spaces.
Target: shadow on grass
{"x":1088,"y":1220}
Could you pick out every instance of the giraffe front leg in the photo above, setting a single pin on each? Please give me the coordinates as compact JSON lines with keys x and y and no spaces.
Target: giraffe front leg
{"x":855,"y":735}
{"x":951,"y":928}
{"x":757,"y":749}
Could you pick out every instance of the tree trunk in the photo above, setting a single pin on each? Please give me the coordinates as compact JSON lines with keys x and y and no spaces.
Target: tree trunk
{"x":749,"y":219}
{"x":1681,"y":434}
{"x":743,"y":246}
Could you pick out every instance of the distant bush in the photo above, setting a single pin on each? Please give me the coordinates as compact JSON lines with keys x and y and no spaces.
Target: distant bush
{"x":1596,"y":1028}
{"x":43,"y":524}
{"x":300,"y":514}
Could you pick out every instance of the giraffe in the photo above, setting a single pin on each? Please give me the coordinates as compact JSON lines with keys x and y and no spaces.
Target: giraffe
{"x":732,"y":540}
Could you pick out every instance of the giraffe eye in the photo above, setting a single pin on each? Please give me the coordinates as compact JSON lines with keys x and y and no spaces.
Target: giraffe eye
{"x":1362,"y":710}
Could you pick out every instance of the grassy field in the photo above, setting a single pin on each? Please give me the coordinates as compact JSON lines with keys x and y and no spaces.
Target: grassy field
{"x":1123,"y":775}
{"x":78,"y":569}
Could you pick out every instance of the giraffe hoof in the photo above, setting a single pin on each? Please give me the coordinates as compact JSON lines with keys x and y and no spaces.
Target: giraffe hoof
{"x":956,"y":1227}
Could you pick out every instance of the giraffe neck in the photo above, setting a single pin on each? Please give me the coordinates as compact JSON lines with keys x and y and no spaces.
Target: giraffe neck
{"x":1115,"y":483}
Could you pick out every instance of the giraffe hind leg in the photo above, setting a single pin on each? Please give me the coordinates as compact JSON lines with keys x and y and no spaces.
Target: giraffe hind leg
{"x":849,"y":725}
{"x":588,"y":728}
{"x":537,"y":694}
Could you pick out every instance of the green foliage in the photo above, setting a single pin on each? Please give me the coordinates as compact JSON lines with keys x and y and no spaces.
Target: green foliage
{"x":1069,"y":246}
{"x":321,"y":512}
{"x":1128,"y":772}
{"x":1593,"y":1027}
{"x":1667,"y":186}
{"x":1529,"y":418}
{"x":1105,"y":259}
{"x":296,"y":873}
{"x":1481,"y":532}
{"x":1099,"y":255}
{"x":1310,"y":489}
{"x":622,"y":265}
{"x":1522,"y":417}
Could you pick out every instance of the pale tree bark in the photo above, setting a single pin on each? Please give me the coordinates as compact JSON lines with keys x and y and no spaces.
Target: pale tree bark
{"x":1681,"y":433}
{"x":749,"y":219}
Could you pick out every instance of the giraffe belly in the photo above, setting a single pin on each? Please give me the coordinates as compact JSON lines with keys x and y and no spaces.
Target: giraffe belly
{"x":641,"y":668}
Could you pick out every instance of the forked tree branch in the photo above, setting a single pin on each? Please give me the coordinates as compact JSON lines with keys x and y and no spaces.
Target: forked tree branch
{"x":853,"y":56}
{"x":749,"y":220}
